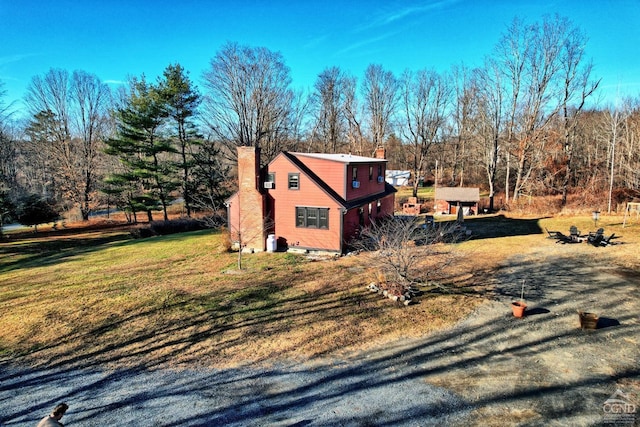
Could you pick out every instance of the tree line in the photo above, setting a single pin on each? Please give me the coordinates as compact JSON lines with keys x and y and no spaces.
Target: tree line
{"x":525,"y":122}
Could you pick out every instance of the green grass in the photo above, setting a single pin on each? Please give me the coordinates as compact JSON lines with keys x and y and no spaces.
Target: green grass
{"x":424,"y":193}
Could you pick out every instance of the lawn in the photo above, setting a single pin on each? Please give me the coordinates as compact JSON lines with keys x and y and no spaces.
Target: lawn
{"x":98,"y":296}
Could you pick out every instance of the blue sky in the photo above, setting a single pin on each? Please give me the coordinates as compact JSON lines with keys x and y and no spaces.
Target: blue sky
{"x":119,"y":38}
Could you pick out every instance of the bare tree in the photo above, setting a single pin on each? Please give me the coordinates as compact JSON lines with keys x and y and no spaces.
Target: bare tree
{"x":354,"y":115}
{"x":329,"y":111}
{"x":8,"y":154}
{"x":67,"y":126}
{"x":464,"y":112}
{"x":614,"y":121}
{"x":542,"y":64}
{"x":380,"y":93}
{"x":249,"y":101}
{"x":400,"y":246}
{"x":490,"y":92}
{"x":577,"y":87}
{"x":629,"y":153}
{"x":8,"y":161}
{"x":90,"y":105}
{"x":425,"y":97}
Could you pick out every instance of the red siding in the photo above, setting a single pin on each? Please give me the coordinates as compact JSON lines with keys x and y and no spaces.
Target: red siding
{"x":352,"y":218}
{"x":283,"y":203}
{"x":367,"y":186}
{"x":331,"y":172}
{"x":339,"y":176}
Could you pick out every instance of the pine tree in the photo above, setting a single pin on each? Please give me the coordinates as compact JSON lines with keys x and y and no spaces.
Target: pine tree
{"x":181,"y":101}
{"x":149,"y":173}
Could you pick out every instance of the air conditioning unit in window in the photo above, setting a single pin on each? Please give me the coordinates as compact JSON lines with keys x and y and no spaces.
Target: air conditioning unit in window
{"x":380,"y":179}
{"x":269,"y":184}
{"x":355,"y":184}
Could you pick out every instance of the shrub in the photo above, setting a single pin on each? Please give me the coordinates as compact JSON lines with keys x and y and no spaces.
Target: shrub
{"x":225,"y":239}
{"x":34,"y":210}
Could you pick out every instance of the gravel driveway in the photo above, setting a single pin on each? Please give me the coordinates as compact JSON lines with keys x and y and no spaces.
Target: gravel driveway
{"x":490,"y":369}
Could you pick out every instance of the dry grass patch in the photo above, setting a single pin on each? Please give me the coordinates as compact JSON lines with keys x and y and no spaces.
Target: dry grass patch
{"x":178,"y":300}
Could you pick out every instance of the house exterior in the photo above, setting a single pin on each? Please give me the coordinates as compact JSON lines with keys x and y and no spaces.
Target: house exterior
{"x":307,"y":201}
{"x":448,"y":200}
{"x":398,"y":178}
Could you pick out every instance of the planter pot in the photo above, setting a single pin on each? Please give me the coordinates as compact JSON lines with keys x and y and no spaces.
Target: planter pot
{"x":588,"y":320}
{"x":518,"y":308}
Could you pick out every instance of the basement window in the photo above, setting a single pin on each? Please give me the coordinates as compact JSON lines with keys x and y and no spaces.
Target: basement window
{"x":312,"y":217}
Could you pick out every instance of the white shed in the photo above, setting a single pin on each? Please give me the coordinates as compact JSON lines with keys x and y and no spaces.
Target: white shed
{"x":397,"y":178}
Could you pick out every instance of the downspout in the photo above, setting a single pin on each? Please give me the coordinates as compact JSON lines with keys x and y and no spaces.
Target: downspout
{"x":343,"y":211}
{"x":228,"y":206}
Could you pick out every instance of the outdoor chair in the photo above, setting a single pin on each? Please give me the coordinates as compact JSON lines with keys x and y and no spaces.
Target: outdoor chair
{"x":607,"y":241}
{"x":574,"y":234}
{"x":595,"y":238}
{"x":554,"y":234}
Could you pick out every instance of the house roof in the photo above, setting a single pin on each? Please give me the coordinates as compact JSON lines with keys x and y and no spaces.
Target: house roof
{"x":458,"y":194}
{"x":397,"y":174}
{"x":294,"y":158}
{"x":342,"y":158}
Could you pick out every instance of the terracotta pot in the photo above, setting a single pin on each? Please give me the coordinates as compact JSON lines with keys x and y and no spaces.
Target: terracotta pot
{"x":588,"y":320}
{"x":518,"y":308}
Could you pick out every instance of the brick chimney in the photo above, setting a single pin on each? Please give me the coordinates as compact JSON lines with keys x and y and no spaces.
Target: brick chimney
{"x":381,"y":153}
{"x":251,"y":200}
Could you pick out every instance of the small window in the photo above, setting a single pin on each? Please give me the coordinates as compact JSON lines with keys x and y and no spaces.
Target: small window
{"x":354,"y":175}
{"x":271,"y":177}
{"x":294,"y":181}
{"x":371,"y":173}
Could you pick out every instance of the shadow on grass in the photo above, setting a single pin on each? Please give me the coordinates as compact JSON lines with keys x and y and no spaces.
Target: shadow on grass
{"x":497,"y":363}
{"x":500,"y":226}
{"x":48,"y":249}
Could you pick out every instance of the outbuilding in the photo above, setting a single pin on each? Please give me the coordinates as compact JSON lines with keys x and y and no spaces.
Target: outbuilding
{"x":448,"y":200}
{"x":397,"y":178}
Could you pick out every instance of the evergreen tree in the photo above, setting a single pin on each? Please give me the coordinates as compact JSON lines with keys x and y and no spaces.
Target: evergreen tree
{"x":33,"y":210}
{"x":182,"y":100}
{"x":149,"y":173}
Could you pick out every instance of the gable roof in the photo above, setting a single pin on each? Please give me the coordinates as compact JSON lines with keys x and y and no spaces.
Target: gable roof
{"x":458,"y":194}
{"x":293,"y":158}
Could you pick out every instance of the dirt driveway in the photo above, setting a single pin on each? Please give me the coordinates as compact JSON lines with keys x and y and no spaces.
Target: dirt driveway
{"x":541,"y":369}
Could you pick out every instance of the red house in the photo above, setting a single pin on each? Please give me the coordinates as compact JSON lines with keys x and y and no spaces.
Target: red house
{"x":307,"y":201}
